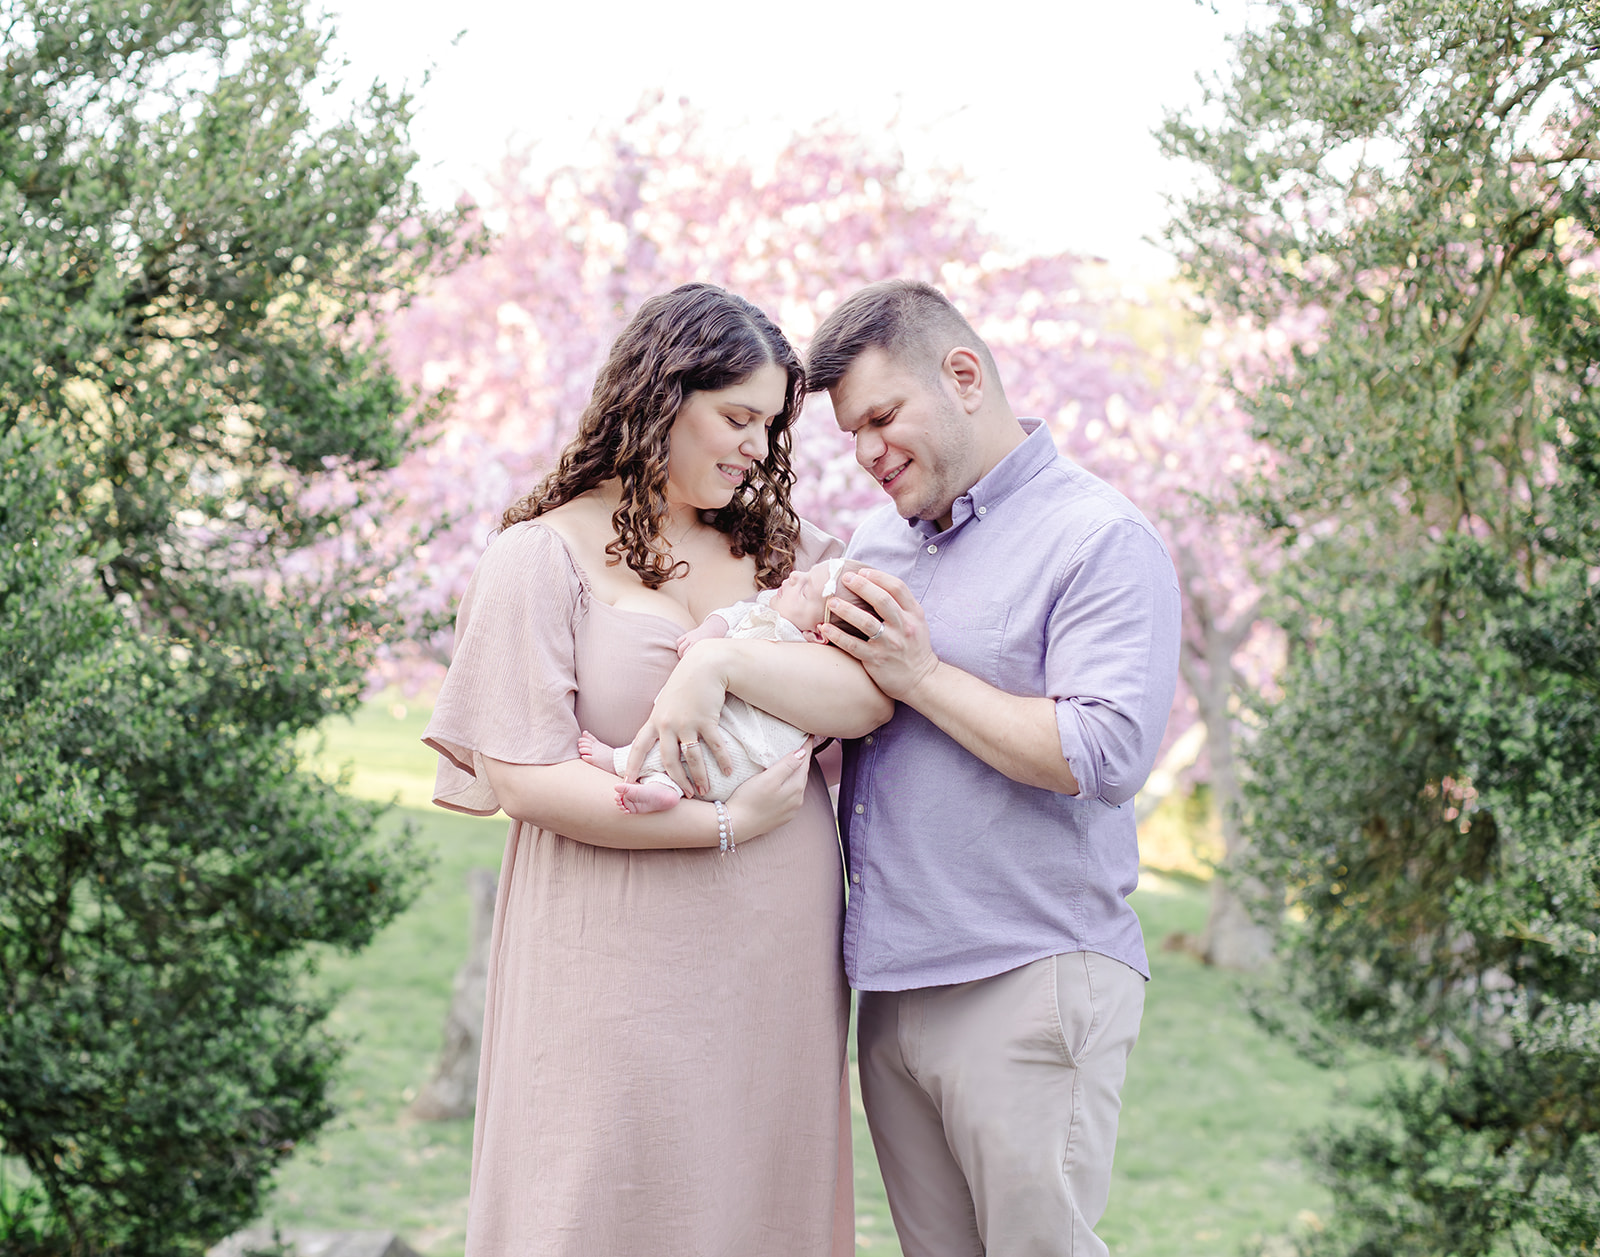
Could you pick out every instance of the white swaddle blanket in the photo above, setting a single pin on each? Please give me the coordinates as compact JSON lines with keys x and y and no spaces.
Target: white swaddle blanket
{"x":756,"y":739}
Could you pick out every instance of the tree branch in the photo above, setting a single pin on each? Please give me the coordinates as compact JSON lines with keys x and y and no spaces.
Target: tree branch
{"x":1480,"y":310}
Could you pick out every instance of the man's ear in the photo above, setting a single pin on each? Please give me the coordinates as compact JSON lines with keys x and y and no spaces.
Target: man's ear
{"x":963,"y":370}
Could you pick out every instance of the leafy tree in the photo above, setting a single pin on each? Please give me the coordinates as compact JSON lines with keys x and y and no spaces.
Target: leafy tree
{"x":1416,"y":182}
{"x":189,"y":269}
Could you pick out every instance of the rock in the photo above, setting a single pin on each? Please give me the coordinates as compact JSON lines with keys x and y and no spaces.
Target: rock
{"x":314,"y":1244}
{"x":453,"y":1090}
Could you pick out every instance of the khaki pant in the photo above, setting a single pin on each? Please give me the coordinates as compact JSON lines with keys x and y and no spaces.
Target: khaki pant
{"x":993,"y":1105}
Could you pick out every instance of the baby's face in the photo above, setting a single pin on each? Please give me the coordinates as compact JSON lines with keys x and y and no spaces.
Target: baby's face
{"x":799,"y":599}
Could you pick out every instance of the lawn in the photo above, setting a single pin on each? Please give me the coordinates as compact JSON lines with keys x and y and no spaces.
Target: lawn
{"x":1206,"y":1164}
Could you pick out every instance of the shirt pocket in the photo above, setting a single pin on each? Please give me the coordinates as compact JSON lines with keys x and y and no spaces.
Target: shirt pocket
{"x":970,"y":633}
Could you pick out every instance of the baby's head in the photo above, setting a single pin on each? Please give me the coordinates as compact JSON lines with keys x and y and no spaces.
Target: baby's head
{"x":802,"y":599}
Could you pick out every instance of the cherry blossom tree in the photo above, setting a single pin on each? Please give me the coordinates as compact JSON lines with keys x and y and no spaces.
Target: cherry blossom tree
{"x":1128,"y":383}
{"x":517,"y":334}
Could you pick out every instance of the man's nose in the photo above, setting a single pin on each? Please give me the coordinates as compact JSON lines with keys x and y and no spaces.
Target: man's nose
{"x":869,"y":447}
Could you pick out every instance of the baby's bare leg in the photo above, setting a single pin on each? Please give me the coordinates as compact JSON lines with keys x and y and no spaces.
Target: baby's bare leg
{"x":654,"y":794}
{"x":647,"y":796}
{"x":591,"y":750}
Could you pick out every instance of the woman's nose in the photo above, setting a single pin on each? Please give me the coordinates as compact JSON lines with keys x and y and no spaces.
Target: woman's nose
{"x":755,"y":442}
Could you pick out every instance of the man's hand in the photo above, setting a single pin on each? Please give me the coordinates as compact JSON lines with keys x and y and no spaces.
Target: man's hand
{"x":1013,"y":734}
{"x":897,"y":654}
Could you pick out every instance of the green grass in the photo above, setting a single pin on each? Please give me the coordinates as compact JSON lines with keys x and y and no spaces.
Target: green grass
{"x":1212,"y":1110}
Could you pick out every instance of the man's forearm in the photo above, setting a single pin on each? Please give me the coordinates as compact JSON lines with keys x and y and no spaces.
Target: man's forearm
{"x":1014,"y":735}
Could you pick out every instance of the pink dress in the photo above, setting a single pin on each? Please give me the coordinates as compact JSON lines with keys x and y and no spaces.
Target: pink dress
{"x":664,"y":1036}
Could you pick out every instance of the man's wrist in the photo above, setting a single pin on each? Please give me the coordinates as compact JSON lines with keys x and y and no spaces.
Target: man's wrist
{"x":924,"y":691}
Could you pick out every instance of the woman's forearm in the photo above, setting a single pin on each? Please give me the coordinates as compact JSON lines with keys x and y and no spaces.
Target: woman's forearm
{"x":579,"y":801}
{"x":816,"y":688}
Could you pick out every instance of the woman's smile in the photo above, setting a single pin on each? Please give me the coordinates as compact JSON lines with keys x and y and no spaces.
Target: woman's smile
{"x":719,"y":435}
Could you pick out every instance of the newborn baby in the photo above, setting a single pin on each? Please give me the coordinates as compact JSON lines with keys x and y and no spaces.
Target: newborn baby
{"x":756,"y":739}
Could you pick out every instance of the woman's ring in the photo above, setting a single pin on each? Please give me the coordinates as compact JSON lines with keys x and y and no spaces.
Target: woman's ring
{"x":691,"y":742}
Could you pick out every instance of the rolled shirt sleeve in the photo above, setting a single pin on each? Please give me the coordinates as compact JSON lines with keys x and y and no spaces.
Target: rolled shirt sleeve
{"x":1111,"y":658}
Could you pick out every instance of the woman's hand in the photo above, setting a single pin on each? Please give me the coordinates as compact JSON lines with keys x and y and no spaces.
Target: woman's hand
{"x":684,"y":721}
{"x":579,"y":801}
{"x":772,"y":797}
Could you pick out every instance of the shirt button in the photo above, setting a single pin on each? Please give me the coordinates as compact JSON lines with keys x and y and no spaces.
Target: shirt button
{"x":867,"y":739}
{"x":855,"y":879}
{"x":983,"y":510}
{"x":860,"y":808}
{"x":933,"y":549}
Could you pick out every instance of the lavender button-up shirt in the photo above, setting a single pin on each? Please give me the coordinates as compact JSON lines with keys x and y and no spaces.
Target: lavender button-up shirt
{"x":1050,"y":583}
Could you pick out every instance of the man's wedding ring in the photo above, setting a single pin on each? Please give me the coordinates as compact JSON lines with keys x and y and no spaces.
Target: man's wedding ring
{"x":877,"y":633}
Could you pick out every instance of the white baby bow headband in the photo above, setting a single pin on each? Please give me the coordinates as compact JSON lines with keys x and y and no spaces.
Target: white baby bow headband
{"x":831,"y":585}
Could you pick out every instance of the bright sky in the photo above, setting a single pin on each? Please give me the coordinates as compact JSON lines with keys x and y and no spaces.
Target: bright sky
{"x":1047,"y":105}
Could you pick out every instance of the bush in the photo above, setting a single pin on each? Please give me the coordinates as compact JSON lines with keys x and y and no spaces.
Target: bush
{"x":163,"y":867}
{"x":195,"y":415}
{"x":1410,"y":190}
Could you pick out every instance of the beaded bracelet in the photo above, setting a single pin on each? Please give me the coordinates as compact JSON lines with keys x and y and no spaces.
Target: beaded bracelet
{"x":725,"y":842}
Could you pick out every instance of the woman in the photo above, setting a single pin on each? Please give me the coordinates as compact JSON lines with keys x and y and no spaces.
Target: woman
{"x":664,"y":1033}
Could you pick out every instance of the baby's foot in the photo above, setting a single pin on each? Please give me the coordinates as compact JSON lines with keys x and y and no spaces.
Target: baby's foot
{"x":591,"y":750}
{"x":646,"y":796}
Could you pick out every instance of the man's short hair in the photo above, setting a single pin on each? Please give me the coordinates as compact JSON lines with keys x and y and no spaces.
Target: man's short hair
{"x":910,"y":321}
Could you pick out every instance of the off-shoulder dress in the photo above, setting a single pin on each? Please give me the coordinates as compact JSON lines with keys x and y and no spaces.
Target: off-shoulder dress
{"x":664,"y":1036}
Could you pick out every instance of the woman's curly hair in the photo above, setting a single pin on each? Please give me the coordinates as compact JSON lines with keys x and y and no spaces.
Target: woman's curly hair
{"x":696,"y":338}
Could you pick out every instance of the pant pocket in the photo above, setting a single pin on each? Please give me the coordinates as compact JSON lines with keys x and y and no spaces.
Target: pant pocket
{"x":1076,"y":1010}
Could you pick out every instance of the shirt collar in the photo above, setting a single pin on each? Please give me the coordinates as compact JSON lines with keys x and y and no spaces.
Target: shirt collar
{"x":1037,"y":451}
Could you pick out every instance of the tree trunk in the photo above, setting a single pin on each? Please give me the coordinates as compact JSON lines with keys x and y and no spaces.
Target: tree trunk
{"x":1185,"y":749}
{"x":1232,"y":939}
{"x":453,"y":1090}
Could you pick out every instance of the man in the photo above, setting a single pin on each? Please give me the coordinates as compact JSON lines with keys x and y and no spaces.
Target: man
{"x":1030,"y":639}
